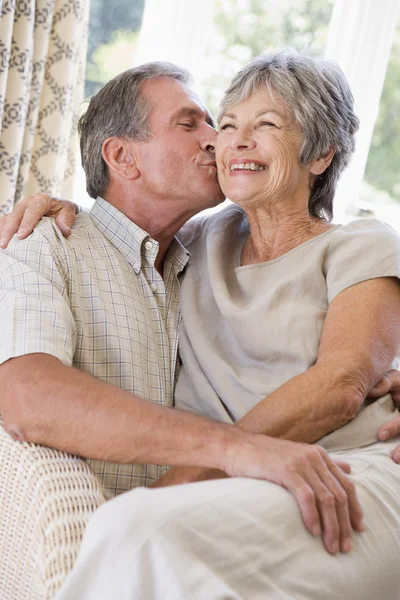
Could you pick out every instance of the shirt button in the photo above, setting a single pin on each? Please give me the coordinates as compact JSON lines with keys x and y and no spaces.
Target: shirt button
{"x":153,"y":287}
{"x":148,"y":245}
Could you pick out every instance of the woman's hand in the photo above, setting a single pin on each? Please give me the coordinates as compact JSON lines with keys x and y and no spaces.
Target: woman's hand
{"x":179,"y":475}
{"x":389,"y":383}
{"x":26,"y":215}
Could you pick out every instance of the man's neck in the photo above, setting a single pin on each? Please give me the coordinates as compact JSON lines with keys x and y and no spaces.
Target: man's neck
{"x":161,"y":223}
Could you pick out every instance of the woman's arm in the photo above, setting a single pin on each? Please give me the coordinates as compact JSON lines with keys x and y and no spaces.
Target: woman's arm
{"x":360,"y":339}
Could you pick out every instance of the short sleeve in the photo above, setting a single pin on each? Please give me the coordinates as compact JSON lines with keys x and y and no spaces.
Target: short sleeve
{"x":363,"y":249}
{"x":35,"y":314}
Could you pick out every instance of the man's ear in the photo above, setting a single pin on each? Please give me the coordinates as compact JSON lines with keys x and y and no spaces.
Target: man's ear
{"x":320,"y":165}
{"x":120,"y":157}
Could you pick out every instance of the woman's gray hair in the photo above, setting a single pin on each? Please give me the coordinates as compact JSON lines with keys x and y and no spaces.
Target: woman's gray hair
{"x":315,"y":91}
{"x":119,"y":109}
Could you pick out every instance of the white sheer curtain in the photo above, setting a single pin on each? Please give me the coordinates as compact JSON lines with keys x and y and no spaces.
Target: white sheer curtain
{"x":176,"y":31}
{"x":360,"y":38}
{"x":42,"y":66}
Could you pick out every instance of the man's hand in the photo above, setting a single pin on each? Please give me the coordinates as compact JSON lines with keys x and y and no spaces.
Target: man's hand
{"x":389,"y":383}
{"x":23,"y":219}
{"x":326,"y":497}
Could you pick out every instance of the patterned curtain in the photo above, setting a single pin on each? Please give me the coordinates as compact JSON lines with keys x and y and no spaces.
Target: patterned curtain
{"x":42,"y":67}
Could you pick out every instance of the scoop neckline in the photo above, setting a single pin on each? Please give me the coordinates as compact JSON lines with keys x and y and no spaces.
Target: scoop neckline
{"x":278,"y":258}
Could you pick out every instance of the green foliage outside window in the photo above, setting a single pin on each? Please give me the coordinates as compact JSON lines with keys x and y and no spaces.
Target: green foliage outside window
{"x":246,"y":28}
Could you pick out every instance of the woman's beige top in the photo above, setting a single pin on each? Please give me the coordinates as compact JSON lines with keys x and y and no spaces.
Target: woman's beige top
{"x":246,"y":330}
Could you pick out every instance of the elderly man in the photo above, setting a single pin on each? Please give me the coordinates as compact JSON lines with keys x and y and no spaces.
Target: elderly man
{"x":106,"y":303}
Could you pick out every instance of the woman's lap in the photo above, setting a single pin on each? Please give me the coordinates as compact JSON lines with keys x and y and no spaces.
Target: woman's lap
{"x":239,"y":539}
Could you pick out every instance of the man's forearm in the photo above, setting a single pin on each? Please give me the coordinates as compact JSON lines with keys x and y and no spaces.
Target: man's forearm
{"x":47,"y":403}
{"x":304,"y":409}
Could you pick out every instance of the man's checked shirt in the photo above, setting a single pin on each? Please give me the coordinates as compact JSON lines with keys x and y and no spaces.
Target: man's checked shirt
{"x":96,"y":302}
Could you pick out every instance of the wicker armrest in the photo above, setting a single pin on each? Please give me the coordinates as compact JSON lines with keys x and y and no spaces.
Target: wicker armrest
{"x":46,"y":499}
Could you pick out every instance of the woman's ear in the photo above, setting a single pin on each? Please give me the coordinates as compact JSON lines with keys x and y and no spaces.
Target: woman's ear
{"x":119,"y":155}
{"x":320,"y":165}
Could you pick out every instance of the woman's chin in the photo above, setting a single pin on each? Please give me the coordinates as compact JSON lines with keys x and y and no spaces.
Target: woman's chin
{"x":240,"y":199}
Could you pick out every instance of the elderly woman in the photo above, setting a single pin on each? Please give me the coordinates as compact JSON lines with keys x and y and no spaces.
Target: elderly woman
{"x":287,"y":322}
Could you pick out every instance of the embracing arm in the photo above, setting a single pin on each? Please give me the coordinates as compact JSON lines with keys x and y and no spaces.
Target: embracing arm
{"x":45,"y":402}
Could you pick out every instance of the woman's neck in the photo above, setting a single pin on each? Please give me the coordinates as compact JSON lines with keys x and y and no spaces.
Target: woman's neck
{"x":275,"y":233}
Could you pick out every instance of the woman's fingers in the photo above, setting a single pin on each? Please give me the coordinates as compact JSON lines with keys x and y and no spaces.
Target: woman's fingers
{"x":389,"y":430}
{"x":9,"y":225}
{"x":24,"y":217}
{"x":28,"y":213}
{"x":396,"y":454}
{"x":390,"y":382}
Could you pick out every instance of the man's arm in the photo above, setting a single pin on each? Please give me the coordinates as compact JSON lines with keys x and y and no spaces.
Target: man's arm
{"x":48,"y":403}
{"x":360,"y":339}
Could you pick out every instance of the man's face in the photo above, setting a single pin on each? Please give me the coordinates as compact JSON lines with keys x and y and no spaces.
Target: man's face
{"x":177,"y":163}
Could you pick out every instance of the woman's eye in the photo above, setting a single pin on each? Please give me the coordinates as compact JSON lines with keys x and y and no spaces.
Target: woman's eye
{"x":226,"y":126}
{"x":266,"y":124}
{"x":186,"y":124}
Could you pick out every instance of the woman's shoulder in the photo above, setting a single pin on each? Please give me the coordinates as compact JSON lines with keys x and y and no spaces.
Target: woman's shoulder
{"x":366,"y":227}
{"x":365,"y":233}
{"x":206,"y":223}
{"x":360,"y":250}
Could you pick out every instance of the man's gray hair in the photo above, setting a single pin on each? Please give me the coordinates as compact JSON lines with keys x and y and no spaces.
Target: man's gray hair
{"x":316,"y":93}
{"x":119,"y":109}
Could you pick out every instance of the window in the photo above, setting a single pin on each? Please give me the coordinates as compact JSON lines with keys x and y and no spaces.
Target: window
{"x":215,"y":38}
{"x":112,"y":43}
{"x":380,"y":191}
{"x":245,"y":28}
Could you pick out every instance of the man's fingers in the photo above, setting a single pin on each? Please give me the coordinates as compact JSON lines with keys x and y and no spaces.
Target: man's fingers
{"x":389,"y":430}
{"x":328,"y":494}
{"x":328,"y":489}
{"x":355,"y":511}
{"x":344,"y":466}
{"x":337,"y":535}
{"x":306,"y":502}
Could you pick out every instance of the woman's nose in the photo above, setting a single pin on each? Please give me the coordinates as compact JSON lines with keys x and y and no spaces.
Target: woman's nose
{"x":242,"y":140}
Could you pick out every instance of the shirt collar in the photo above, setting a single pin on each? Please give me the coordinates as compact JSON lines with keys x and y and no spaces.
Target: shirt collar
{"x":129,"y":239}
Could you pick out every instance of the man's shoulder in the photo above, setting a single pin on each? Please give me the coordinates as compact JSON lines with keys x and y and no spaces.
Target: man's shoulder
{"x":46,"y":246}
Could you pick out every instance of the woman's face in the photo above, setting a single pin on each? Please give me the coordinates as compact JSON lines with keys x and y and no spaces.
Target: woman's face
{"x":257,"y":152}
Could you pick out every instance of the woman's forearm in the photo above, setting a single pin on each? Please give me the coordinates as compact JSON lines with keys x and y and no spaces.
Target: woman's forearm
{"x":308,"y":406}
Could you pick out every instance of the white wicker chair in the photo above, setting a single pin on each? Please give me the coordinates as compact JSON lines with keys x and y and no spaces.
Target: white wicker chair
{"x":46,"y":499}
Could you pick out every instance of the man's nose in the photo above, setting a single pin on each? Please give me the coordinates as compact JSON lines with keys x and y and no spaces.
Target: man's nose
{"x":209,"y":140}
{"x":210,"y":148}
